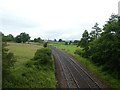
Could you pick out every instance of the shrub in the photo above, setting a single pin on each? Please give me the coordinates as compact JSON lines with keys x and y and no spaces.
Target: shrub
{"x":43,"y":56}
{"x":66,"y":43}
{"x":45,"y":44}
{"x":29,"y":63}
{"x":8,"y":61}
{"x":78,"y":51}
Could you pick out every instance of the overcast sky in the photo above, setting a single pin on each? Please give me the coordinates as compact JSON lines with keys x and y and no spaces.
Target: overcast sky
{"x":54,"y":19}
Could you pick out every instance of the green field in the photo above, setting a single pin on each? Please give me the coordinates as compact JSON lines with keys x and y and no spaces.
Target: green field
{"x":97,"y":71}
{"x":22,"y":52}
{"x":29,"y":77}
{"x":68,"y":48}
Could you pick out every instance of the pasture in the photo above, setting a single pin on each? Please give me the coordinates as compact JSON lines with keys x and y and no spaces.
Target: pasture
{"x":22,"y":52}
{"x":68,"y":48}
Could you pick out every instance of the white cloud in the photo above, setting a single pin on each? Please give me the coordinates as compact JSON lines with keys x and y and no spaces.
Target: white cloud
{"x":54,"y":18}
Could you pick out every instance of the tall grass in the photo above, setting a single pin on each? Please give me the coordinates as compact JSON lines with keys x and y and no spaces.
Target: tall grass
{"x":29,"y":77}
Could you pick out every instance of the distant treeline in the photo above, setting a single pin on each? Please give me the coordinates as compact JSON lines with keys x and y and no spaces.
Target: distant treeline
{"x":21,"y":38}
{"x":102,"y":46}
{"x":24,"y":37}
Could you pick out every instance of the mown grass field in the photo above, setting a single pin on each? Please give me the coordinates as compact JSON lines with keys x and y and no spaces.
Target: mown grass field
{"x":104,"y":76}
{"x":29,"y":77}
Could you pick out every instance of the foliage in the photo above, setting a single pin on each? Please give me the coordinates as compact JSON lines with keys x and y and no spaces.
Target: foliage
{"x":7,"y":38}
{"x":38,"y":40}
{"x":25,"y":72}
{"x":60,"y":40}
{"x":104,"y":50}
{"x":45,"y":44}
{"x":8,"y":61}
{"x":55,"y":40}
{"x":85,"y":39}
{"x":66,"y":43}
{"x":23,"y":37}
{"x":43,"y":56}
{"x":18,"y":39}
{"x":96,"y":33}
{"x":76,"y":42}
{"x":78,"y":51}
{"x":70,"y":42}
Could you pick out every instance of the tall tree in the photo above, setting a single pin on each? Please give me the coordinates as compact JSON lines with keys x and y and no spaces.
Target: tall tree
{"x":11,"y":36}
{"x":55,"y":40}
{"x":24,"y":37}
{"x":85,"y":39}
{"x":38,"y":40}
{"x":60,"y":40}
{"x":105,"y":50}
{"x":92,"y":36}
{"x":45,"y":44}
{"x":18,"y":39}
{"x":97,"y":30}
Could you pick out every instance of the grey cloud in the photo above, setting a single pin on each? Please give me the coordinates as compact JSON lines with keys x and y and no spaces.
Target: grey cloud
{"x":65,"y":35}
{"x":12,"y":21}
{"x":53,"y":34}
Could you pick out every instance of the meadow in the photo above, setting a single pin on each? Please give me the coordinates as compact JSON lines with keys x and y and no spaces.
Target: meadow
{"x":29,"y":77}
{"x":105,"y":77}
{"x":68,"y":48}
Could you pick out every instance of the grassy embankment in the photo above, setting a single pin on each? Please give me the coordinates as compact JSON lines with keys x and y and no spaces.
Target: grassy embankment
{"x":105,"y":77}
{"x":29,"y":77}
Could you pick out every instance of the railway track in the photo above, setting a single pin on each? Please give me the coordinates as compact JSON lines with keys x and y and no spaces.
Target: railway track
{"x":71,"y":81}
{"x":75,"y":76}
{"x":91,"y":83}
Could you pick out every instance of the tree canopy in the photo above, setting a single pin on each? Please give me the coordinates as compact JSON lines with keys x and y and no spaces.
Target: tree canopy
{"x":7,"y":38}
{"x":23,"y":37}
{"x":104,"y":46}
{"x":60,"y":40}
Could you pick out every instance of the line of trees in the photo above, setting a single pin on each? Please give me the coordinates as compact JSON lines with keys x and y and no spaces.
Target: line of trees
{"x":102,"y":46}
{"x":38,"y":40}
{"x":8,"y":38}
{"x":21,"y":38}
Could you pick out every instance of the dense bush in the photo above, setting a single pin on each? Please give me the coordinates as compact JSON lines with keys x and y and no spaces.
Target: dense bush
{"x":78,"y":51}
{"x":8,"y":61}
{"x":43,"y":56}
{"x":45,"y":44}
{"x":7,"y":38}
